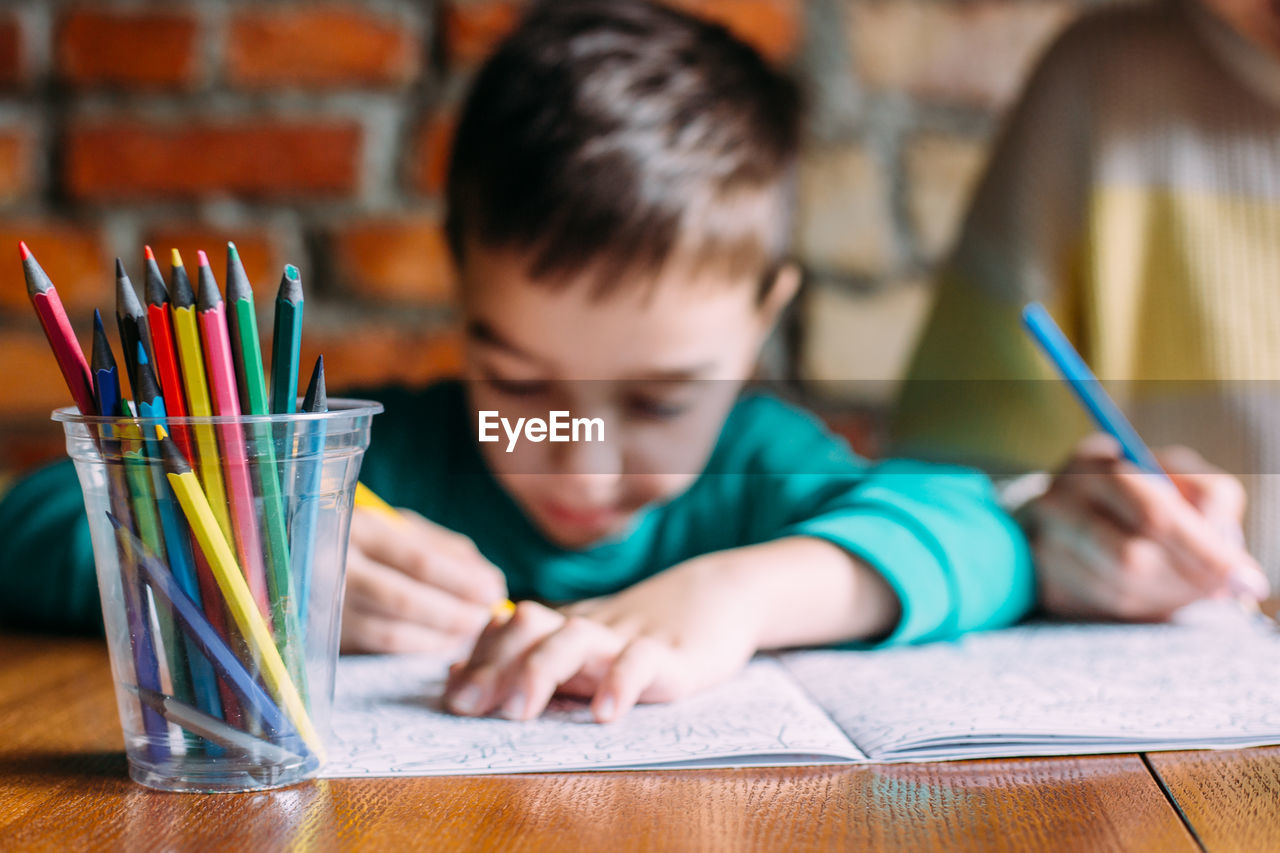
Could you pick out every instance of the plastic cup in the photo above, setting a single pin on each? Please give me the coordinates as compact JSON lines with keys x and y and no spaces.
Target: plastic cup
{"x":221,"y":585}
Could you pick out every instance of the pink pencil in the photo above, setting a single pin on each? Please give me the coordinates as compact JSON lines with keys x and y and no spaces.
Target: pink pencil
{"x":57,"y":328}
{"x":226,"y":403}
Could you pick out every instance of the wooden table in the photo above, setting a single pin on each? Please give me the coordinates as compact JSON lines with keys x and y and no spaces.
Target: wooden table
{"x":64,"y":786}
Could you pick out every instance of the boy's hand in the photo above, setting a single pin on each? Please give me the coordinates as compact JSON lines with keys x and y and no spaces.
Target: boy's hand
{"x":414,"y":586}
{"x":1113,"y":542}
{"x":662,"y":639}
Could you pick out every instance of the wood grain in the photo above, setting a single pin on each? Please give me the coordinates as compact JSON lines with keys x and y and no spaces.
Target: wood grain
{"x":63,"y":785}
{"x":1232,"y":799}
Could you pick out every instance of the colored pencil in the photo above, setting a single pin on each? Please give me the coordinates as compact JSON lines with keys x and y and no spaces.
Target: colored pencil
{"x":244,"y":681}
{"x":235,"y":591}
{"x":57,"y":328}
{"x":307,"y":504}
{"x":246,"y":352}
{"x":286,"y":343}
{"x":168,"y":372}
{"x":226,"y":404}
{"x":132,"y":323}
{"x":186,"y":333}
{"x":103,"y":368}
{"x":214,"y":730}
{"x":1107,"y":415}
{"x":175,"y":536}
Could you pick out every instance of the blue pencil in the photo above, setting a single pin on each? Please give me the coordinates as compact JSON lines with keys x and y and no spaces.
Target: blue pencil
{"x":1088,"y":389}
{"x":224,"y":660}
{"x":1107,"y":415}
{"x":176,"y":539}
{"x":307,"y":504}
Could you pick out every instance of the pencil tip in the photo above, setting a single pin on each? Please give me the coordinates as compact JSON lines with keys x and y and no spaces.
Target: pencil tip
{"x":175,"y":258}
{"x":290,"y":285}
{"x":316,"y":399}
{"x":232,"y":251}
{"x":148,"y":254}
{"x":142,"y":354}
{"x":23,"y":250}
{"x":97,"y":322}
{"x":120,"y":273}
{"x":201,"y":258}
{"x":291,"y":272}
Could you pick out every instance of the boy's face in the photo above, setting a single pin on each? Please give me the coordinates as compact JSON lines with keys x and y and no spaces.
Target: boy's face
{"x":660,"y":366}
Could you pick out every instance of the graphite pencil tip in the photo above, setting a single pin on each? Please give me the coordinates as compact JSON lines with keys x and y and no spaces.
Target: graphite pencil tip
{"x":180,"y":287}
{"x":101,"y":357}
{"x":207,"y":294}
{"x":238,"y":286}
{"x":290,"y":286}
{"x":153,"y":285}
{"x":174,"y":462}
{"x":127,"y":304}
{"x":37,"y":281}
{"x":316,"y":400}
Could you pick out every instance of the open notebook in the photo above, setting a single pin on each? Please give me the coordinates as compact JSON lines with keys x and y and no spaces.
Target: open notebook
{"x":1208,"y":681}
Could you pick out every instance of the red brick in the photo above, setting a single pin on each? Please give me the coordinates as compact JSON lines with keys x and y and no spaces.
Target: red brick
{"x":394,"y":260}
{"x":325,"y":47}
{"x":15,"y":164}
{"x":124,"y":159}
{"x":74,"y":258}
{"x":371,"y":354}
{"x":259,"y":251}
{"x":31,"y":384}
{"x":127,"y":48}
{"x":11,"y":56}
{"x":772,"y":27}
{"x":429,"y":163}
{"x":472,"y":29}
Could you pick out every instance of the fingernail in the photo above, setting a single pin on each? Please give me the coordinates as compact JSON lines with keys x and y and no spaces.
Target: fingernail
{"x":466,"y":700}
{"x":513,"y":708}
{"x":1247,"y":581}
{"x":604,"y":709}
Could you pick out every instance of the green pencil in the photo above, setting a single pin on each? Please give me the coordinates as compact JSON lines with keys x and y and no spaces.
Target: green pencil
{"x":246,"y":352}
{"x":286,"y":342}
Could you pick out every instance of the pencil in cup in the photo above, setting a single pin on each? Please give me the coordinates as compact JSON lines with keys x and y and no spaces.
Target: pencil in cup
{"x":240,"y":601}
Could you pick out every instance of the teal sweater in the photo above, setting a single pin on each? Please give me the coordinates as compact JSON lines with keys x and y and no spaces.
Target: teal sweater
{"x":956,"y":560}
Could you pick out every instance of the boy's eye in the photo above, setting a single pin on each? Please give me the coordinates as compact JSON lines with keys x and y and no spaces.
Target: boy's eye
{"x":650,"y":408}
{"x":518,"y":387}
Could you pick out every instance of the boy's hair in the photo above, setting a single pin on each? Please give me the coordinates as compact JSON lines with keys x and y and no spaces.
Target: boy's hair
{"x":609,"y":137}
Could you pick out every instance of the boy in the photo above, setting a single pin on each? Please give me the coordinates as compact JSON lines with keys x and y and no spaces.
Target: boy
{"x":618,"y":211}
{"x":1136,"y":191}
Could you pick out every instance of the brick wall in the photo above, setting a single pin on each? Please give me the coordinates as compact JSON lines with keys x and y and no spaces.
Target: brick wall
{"x":318,"y":133}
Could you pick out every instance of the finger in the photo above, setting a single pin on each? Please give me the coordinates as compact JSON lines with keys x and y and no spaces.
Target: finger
{"x":473,"y":691}
{"x":632,"y":673}
{"x":1093,"y":448}
{"x":435,"y":556}
{"x":373,"y":634}
{"x":529,"y":682}
{"x":1132,"y":577}
{"x":1069,"y":587}
{"x":383,"y":591}
{"x":1148,"y":507}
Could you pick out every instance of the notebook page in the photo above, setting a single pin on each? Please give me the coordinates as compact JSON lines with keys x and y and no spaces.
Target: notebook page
{"x":1043,"y":689}
{"x":387,"y":722}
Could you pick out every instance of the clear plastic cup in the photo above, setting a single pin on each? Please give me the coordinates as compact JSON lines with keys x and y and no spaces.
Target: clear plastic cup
{"x":220,"y":554}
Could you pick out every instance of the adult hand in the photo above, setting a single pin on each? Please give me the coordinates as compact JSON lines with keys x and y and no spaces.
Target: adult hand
{"x":1113,"y":542}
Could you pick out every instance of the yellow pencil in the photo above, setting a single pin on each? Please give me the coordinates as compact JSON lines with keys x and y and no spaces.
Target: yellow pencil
{"x":367,"y":498}
{"x":186,"y":333}
{"x":240,"y":603}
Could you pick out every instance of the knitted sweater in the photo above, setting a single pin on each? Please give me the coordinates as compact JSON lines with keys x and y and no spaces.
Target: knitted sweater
{"x":1135,"y":189}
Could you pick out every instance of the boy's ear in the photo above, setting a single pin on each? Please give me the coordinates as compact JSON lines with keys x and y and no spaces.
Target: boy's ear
{"x":779,"y":292}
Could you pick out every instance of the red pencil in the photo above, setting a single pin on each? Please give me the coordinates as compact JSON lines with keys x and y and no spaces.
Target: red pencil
{"x":212,"y":312}
{"x":57,"y":328}
{"x":166,"y":365}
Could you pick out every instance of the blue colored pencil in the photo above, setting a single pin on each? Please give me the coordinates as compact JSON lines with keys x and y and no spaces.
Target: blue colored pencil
{"x":1107,"y":415}
{"x":193,"y":621}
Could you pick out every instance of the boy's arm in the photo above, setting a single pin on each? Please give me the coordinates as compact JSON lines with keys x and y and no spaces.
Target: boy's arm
{"x":47,"y":580}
